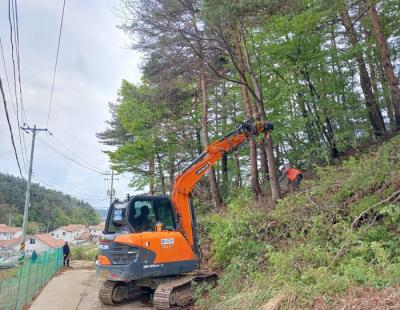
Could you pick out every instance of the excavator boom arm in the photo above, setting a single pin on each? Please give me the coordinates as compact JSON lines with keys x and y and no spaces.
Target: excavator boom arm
{"x":187,"y":179}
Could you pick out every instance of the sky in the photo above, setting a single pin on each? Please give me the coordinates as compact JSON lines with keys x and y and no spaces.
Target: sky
{"x":94,"y":58}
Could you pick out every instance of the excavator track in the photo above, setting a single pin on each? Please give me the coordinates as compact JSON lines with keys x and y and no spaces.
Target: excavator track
{"x":106,"y":293}
{"x":114,"y":293}
{"x":179,"y":293}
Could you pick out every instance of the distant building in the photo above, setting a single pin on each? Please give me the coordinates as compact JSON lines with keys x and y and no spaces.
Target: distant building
{"x":96,"y":231}
{"x":9,"y":248}
{"x":84,"y":238}
{"x":8,"y":233}
{"x":41,"y":243}
{"x":68,"y":233}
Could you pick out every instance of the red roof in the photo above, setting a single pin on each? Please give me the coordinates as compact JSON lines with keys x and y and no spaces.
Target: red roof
{"x":3,"y":225}
{"x":50,"y":241}
{"x":73,"y":227}
{"x":97,"y":227}
{"x":12,"y":230}
{"x":11,"y":242}
{"x":84,"y":236}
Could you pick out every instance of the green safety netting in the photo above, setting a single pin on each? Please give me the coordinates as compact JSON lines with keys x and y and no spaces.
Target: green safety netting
{"x":20,"y":284}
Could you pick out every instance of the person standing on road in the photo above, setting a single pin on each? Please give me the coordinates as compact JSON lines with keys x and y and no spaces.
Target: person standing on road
{"x":67,"y":254}
{"x":295,"y":176}
{"x":34,"y":257}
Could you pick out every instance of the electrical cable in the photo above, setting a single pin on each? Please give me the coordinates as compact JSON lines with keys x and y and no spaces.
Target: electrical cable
{"x":73,"y":152}
{"x":12,"y":57}
{"x":10,"y":128}
{"x":73,"y":194}
{"x":68,"y":157}
{"x":12,"y":21}
{"x":7,"y":79}
{"x":55,"y":65}
{"x":16,"y":34}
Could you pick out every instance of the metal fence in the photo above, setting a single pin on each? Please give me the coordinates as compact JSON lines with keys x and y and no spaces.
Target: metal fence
{"x":19,"y":285}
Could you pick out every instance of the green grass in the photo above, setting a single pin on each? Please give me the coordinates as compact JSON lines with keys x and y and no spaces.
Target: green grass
{"x":306,"y":247}
{"x":84,"y":252}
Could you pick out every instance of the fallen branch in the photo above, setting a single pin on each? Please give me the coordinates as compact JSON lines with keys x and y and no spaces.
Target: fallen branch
{"x":274,"y":303}
{"x":395,"y":197}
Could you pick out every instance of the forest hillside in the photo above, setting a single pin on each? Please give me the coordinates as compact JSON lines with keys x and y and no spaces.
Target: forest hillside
{"x":338,"y":234}
{"x":48,"y":207}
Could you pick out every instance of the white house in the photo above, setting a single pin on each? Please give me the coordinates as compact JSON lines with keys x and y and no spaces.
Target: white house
{"x":41,"y":243}
{"x":68,"y":233}
{"x":8,"y":233}
{"x":96,"y":231}
{"x":9,"y":248}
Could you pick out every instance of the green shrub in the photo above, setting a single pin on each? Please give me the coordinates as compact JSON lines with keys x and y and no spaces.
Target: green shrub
{"x":306,"y":247}
{"x":84,"y":252}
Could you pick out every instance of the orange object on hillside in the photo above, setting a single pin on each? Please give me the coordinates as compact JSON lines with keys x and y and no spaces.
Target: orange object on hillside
{"x":292,"y":173}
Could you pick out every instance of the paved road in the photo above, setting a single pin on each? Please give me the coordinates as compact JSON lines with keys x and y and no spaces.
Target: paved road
{"x":77,"y":289}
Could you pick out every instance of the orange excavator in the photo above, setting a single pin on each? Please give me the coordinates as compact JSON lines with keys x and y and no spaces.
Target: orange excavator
{"x":149,"y":243}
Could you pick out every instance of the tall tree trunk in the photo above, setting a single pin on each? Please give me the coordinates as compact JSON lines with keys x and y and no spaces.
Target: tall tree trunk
{"x":216,"y":197}
{"x":374,"y":112}
{"x":151,"y":177}
{"x":252,"y":146}
{"x":385,"y":59}
{"x":307,"y":119}
{"x":161,"y":175}
{"x":224,"y":166}
{"x":198,"y":141}
{"x":273,"y":176}
{"x":171,"y":171}
{"x":238,"y":179}
{"x":326,"y":127}
{"x":255,"y":183}
{"x":386,"y":97}
{"x":263,"y":162}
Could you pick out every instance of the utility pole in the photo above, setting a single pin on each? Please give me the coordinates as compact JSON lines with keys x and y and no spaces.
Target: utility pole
{"x":33,"y":130}
{"x":111,"y":191}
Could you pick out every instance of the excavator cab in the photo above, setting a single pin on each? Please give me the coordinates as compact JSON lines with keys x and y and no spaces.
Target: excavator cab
{"x":141,"y":240}
{"x":141,"y":214}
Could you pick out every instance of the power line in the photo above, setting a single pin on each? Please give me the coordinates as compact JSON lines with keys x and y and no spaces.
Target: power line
{"x":12,"y":19}
{"x":16,"y":34}
{"x":6,"y":73}
{"x":69,"y":158}
{"x":12,"y":56}
{"x":9,"y":127}
{"x":71,"y":194}
{"x":55,"y":66}
{"x":73,"y":152}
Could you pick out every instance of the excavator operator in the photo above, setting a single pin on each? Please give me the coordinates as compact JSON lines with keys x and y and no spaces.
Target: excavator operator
{"x":142,"y":222}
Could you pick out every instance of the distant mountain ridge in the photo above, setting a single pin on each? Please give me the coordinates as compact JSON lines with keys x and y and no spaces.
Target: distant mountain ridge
{"x":49,"y":208}
{"x":102,"y":213}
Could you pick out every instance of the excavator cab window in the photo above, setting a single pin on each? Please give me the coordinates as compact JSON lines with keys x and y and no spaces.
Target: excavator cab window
{"x":116,"y":221}
{"x":145,"y":213}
